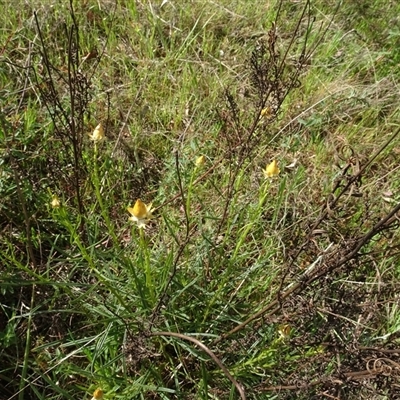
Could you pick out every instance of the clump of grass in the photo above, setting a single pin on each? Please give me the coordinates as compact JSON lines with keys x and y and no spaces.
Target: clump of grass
{"x":244,"y":284}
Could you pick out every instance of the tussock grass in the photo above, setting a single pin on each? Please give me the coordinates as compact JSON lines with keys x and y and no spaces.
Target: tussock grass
{"x":240,"y":286}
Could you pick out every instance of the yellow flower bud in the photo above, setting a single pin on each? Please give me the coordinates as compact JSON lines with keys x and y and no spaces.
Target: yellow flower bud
{"x":97,"y":395}
{"x":266,"y":112}
{"x":98,"y":133}
{"x":200,"y":161}
{"x":141,"y":213}
{"x":55,"y":202}
{"x":271,"y":169}
{"x":284,"y":331}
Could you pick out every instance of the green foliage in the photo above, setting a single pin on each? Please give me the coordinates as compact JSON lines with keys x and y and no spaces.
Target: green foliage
{"x":248,"y":266}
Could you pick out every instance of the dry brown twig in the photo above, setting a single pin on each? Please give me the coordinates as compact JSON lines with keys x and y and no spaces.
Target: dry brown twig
{"x":311,"y":275}
{"x":203,"y":347}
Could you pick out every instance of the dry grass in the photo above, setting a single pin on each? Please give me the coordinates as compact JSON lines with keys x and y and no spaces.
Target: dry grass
{"x":285,"y":287}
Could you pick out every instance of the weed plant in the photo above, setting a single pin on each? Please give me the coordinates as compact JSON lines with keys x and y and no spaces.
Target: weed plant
{"x":262,"y":260}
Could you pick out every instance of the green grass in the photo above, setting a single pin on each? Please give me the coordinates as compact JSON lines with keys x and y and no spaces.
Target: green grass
{"x":231,"y":260}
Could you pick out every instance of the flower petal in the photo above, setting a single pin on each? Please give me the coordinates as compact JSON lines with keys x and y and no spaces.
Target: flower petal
{"x":97,"y":395}
{"x":55,"y":202}
{"x":141,"y":213}
{"x":98,"y":133}
{"x":200,"y":161}
{"x":271,"y":169}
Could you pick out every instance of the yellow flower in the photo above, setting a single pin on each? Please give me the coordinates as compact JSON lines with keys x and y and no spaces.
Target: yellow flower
{"x":284,"y":331}
{"x":200,"y":161}
{"x":266,"y":112}
{"x":55,"y":202}
{"x":98,"y":133}
{"x":271,"y":170}
{"x":97,"y":395}
{"x":141,"y":213}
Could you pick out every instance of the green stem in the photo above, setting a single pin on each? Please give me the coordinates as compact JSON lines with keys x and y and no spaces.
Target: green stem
{"x":27,"y":347}
{"x":147,"y":266}
{"x":103,"y":210}
{"x":263,"y":192}
{"x":63,"y":217}
{"x":189,"y":192}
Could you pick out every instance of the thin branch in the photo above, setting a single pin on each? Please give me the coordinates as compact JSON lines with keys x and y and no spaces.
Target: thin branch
{"x":203,"y":347}
{"x":306,"y":279}
{"x":182,"y":245}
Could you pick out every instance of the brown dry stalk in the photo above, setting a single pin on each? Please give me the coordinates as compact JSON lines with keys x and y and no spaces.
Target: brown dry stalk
{"x":274,"y":306}
{"x":375,"y":367}
{"x":306,"y":278}
{"x":203,"y":347}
